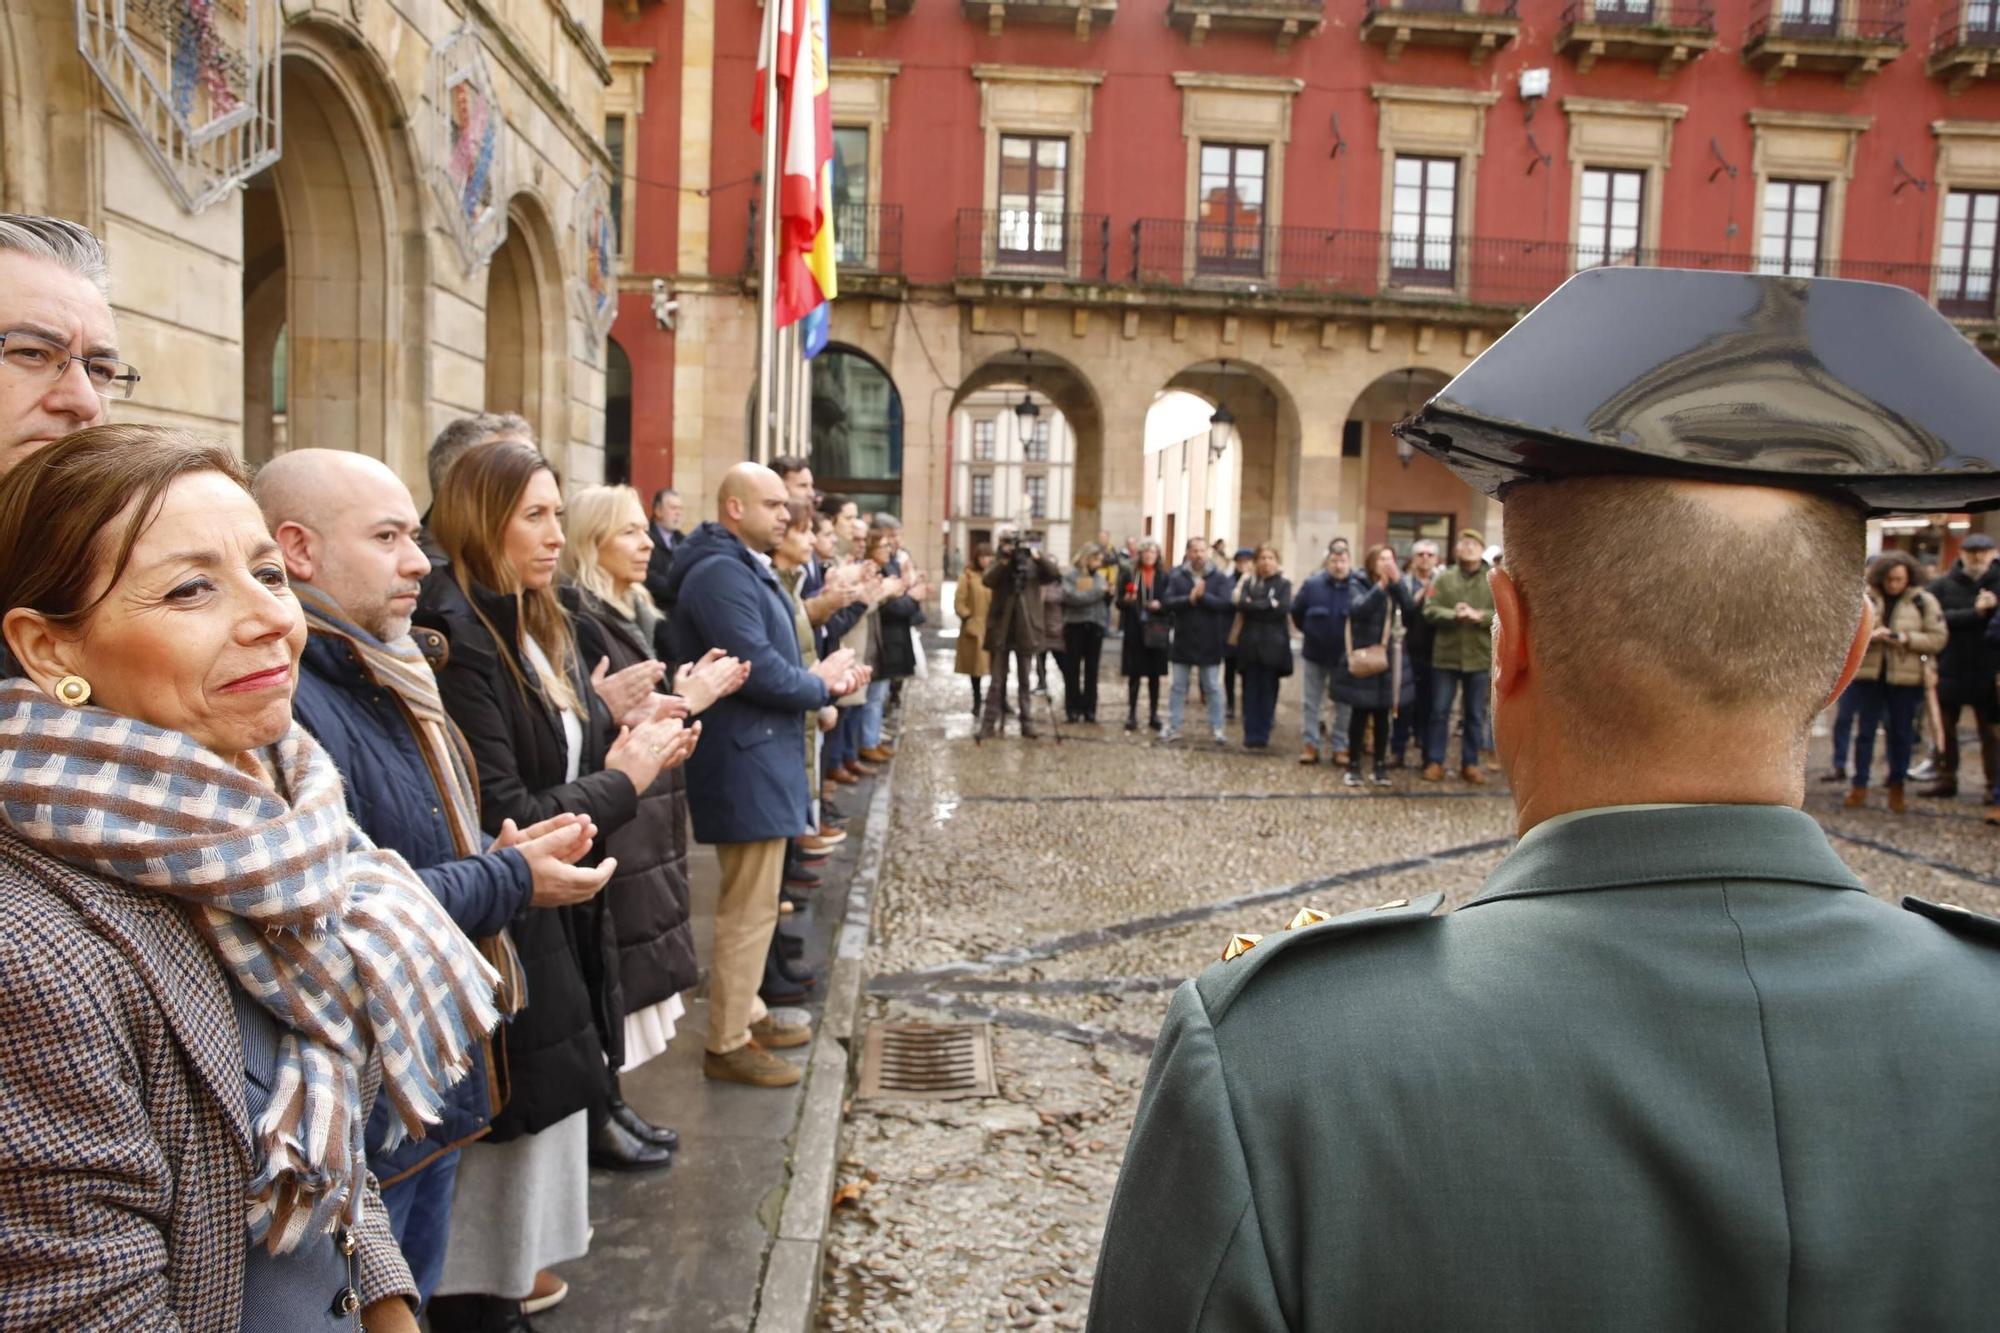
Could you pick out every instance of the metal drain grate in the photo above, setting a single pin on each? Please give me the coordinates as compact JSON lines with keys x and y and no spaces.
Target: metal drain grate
{"x":926,"y":1061}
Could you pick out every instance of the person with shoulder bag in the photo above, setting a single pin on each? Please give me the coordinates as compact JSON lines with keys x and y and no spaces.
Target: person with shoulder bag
{"x":1909,"y":626}
{"x":1373,"y":679}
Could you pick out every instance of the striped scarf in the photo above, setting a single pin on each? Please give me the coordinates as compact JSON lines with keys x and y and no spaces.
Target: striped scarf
{"x":337,"y":938}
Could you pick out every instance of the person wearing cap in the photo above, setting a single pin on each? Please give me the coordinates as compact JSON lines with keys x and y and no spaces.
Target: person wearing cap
{"x":1968,"y":593}
{"x":1244,"y":565}
{"x":1673,"y":1067}
{"x":1460,"y":614}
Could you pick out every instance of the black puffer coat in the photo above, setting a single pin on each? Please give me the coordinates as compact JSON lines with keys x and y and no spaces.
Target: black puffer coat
{"x":1367,"y":621}
{"x":1266,"y":640}
{"x":555,"y":1048}
{"x":649,"y":898}
{"x":1967,"y":664}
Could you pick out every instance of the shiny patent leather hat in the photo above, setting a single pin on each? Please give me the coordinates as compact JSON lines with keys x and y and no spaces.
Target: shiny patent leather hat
{"x":1820,"y":384}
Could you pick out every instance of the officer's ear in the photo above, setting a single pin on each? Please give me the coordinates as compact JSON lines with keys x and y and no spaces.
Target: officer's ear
{"x":1510,"y":634}
{"x":1856,"y":650}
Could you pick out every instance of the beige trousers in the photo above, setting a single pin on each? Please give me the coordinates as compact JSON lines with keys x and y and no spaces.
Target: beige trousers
{"x":746,"y":912}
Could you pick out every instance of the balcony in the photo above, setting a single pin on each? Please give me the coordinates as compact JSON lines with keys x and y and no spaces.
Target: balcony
{"x":1082,"y":15}
{"x":1028,"y":246}
{"x":1317,"y":266}
{"x":1283,"y":21}
{"x":1663,"y":35}
{"x":868,"y":238}
{"x":1852,"y":38}
{"x":881,"y":11}
{"x":1478,"y":27}
{"x":867,"y":248}
{"x":1967,"y":46}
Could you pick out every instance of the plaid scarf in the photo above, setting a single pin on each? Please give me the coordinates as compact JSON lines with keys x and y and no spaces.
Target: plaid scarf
{"x":401,"y":668}
{"x":337,"y":938}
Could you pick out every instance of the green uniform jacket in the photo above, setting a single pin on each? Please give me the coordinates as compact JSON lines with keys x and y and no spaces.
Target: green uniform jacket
{"x":1673,"y":1069}
{"x":1461,"y":645}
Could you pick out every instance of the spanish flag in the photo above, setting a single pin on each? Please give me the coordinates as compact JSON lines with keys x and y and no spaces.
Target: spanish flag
{"x":805,"y":255}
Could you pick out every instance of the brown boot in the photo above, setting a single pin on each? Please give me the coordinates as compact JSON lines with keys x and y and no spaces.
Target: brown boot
{"x":769,"y":1033}
{"x":1897,"y":805}
{"x":1433,"y":772}
{"x":878,"y":754}
{"x":1943,"y":789}
{"x":1309,"y":755}
{"x":1472,"y":775}
{"x":842,"y":776}
{"x":751,"y":1064}
{"x":1857,"y":797}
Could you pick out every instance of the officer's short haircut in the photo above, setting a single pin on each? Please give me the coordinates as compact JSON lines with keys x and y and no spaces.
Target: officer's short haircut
{"x":60,"y":241}
{"x":1671,"y":624}
{"x":465,"y":432}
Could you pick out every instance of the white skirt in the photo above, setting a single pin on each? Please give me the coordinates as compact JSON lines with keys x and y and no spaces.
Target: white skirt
{"x":519,"y":1207}
{"x":648,"y":1031}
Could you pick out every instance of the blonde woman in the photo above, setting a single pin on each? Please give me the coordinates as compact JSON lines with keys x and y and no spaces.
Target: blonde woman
{"x":605,"y":555}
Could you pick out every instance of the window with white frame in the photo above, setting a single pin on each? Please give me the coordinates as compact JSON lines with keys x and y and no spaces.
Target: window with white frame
{"x":1793,"y":227}
{"x":1422,"y":219}
{"x":1035,"y":447}
{"x":1037,"y":489}
{"x":983,"y":431}
{"x":1968,"y":252}
{"x":982,"y":494}
{"x":1609,"y":213}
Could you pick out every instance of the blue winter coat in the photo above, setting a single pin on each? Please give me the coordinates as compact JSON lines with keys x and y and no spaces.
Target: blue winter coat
{"x":1320,"y":612}
{"x":747,"y":779}
{"x":394,"y":799}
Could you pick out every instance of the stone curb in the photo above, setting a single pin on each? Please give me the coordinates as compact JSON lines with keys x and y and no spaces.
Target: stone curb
{"x":790,"y":1289}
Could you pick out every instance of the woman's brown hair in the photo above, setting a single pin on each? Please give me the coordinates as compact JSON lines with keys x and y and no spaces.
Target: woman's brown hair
{"x":1879,"y":567}
{"x":60,"y":507}
{"x":469,"y":518}
{"x":1374,"y":553}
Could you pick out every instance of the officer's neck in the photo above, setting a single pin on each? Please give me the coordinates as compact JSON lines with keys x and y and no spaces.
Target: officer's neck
{"x":1553,"y":773}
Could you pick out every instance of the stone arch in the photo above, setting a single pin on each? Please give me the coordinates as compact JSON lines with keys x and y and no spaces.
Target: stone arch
{"x":525,"y":323}
{"x":346,"y":231}
{"x":1269,"y":441}
{"x":1064,"y":384}
{"x":1390,"y":479}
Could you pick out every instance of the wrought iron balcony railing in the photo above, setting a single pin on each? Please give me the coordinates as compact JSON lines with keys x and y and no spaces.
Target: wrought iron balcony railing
{"x":1360,"y":265}
{"x":1975,"y":23}
{"x":1029,"y":243}
{"x":868,"y":238}
{"x":1641,"y":14}
{"x":1870,"y":21}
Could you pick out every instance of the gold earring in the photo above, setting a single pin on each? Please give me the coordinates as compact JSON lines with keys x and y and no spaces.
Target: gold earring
{"x":73,"y":690}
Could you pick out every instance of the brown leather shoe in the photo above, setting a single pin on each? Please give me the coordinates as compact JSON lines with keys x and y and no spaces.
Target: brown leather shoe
{"x":1339,"y":759}
{"x":1993,"y":814}
{"x":843,"y":776}
{"x":751,"y":1064}
{"x":1943,"y":790}
{"x":879,"y":754}
{"x":1309,"y":755}
{"x":1433,"y":772}
{"x":861,"y":770}
{"x":772,"y":1035}
{"x":1857,"y":797}
{"x":1472,"y":775}
{"x":1897,"y":805}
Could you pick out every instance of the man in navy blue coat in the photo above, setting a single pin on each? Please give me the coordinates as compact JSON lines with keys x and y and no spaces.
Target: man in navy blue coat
{"x":348,"y":529}
{"x":749,"y":781}
{"x":1198,"y":598}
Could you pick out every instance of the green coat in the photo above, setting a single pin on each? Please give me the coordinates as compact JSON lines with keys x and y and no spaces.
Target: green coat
{"x":1461,"y":645}
{"x":1673,"y":1069}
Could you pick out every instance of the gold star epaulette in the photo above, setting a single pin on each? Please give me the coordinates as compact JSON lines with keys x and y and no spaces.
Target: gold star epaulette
{"x":1305,"y":918}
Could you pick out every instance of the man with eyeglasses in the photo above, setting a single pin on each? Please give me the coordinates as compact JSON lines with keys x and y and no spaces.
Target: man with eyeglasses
{"x":59,"y":365}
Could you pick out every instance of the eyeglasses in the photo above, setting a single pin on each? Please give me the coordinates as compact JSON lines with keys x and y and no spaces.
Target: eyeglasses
{"x":32,"y":356}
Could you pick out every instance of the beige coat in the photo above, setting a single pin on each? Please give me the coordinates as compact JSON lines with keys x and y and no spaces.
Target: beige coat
{"x":972,"y":602}
{"x":1920,"y":620}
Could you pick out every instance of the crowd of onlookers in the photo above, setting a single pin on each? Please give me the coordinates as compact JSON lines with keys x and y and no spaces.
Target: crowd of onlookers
{"x":422,"y":786}
{"x":1384,"y":655}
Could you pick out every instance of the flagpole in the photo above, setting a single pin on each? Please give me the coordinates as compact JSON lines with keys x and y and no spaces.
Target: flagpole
{"x":803,"y":428}
{"x":767,"y":285}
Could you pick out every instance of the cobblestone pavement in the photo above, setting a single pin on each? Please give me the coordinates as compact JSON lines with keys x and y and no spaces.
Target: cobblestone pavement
{"x":1061,"y":892}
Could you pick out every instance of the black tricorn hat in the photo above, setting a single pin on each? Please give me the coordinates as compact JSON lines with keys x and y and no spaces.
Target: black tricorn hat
{"x":1854,"y":388}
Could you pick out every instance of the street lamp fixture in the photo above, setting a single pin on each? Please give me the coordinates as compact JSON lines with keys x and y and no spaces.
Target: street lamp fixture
{"x":1026,"y":410}
{"x":1221,"y":423}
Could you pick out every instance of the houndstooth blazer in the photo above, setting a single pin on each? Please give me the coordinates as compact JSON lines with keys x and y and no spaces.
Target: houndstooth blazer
{"x":125,"y":1152}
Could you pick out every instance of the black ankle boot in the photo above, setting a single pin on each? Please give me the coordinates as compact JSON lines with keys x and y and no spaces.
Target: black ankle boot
{"x":641,"y":1128}
{"x":476,"y":1314}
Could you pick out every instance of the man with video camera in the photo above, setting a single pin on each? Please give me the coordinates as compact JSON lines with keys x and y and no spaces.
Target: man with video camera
{"x":1014,"y":622}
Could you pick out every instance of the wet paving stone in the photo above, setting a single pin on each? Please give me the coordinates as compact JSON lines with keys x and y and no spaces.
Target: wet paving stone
{"x":1061,"y":891}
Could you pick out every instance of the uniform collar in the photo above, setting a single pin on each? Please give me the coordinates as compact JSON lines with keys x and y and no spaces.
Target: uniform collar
{"x":1633,"y":847}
